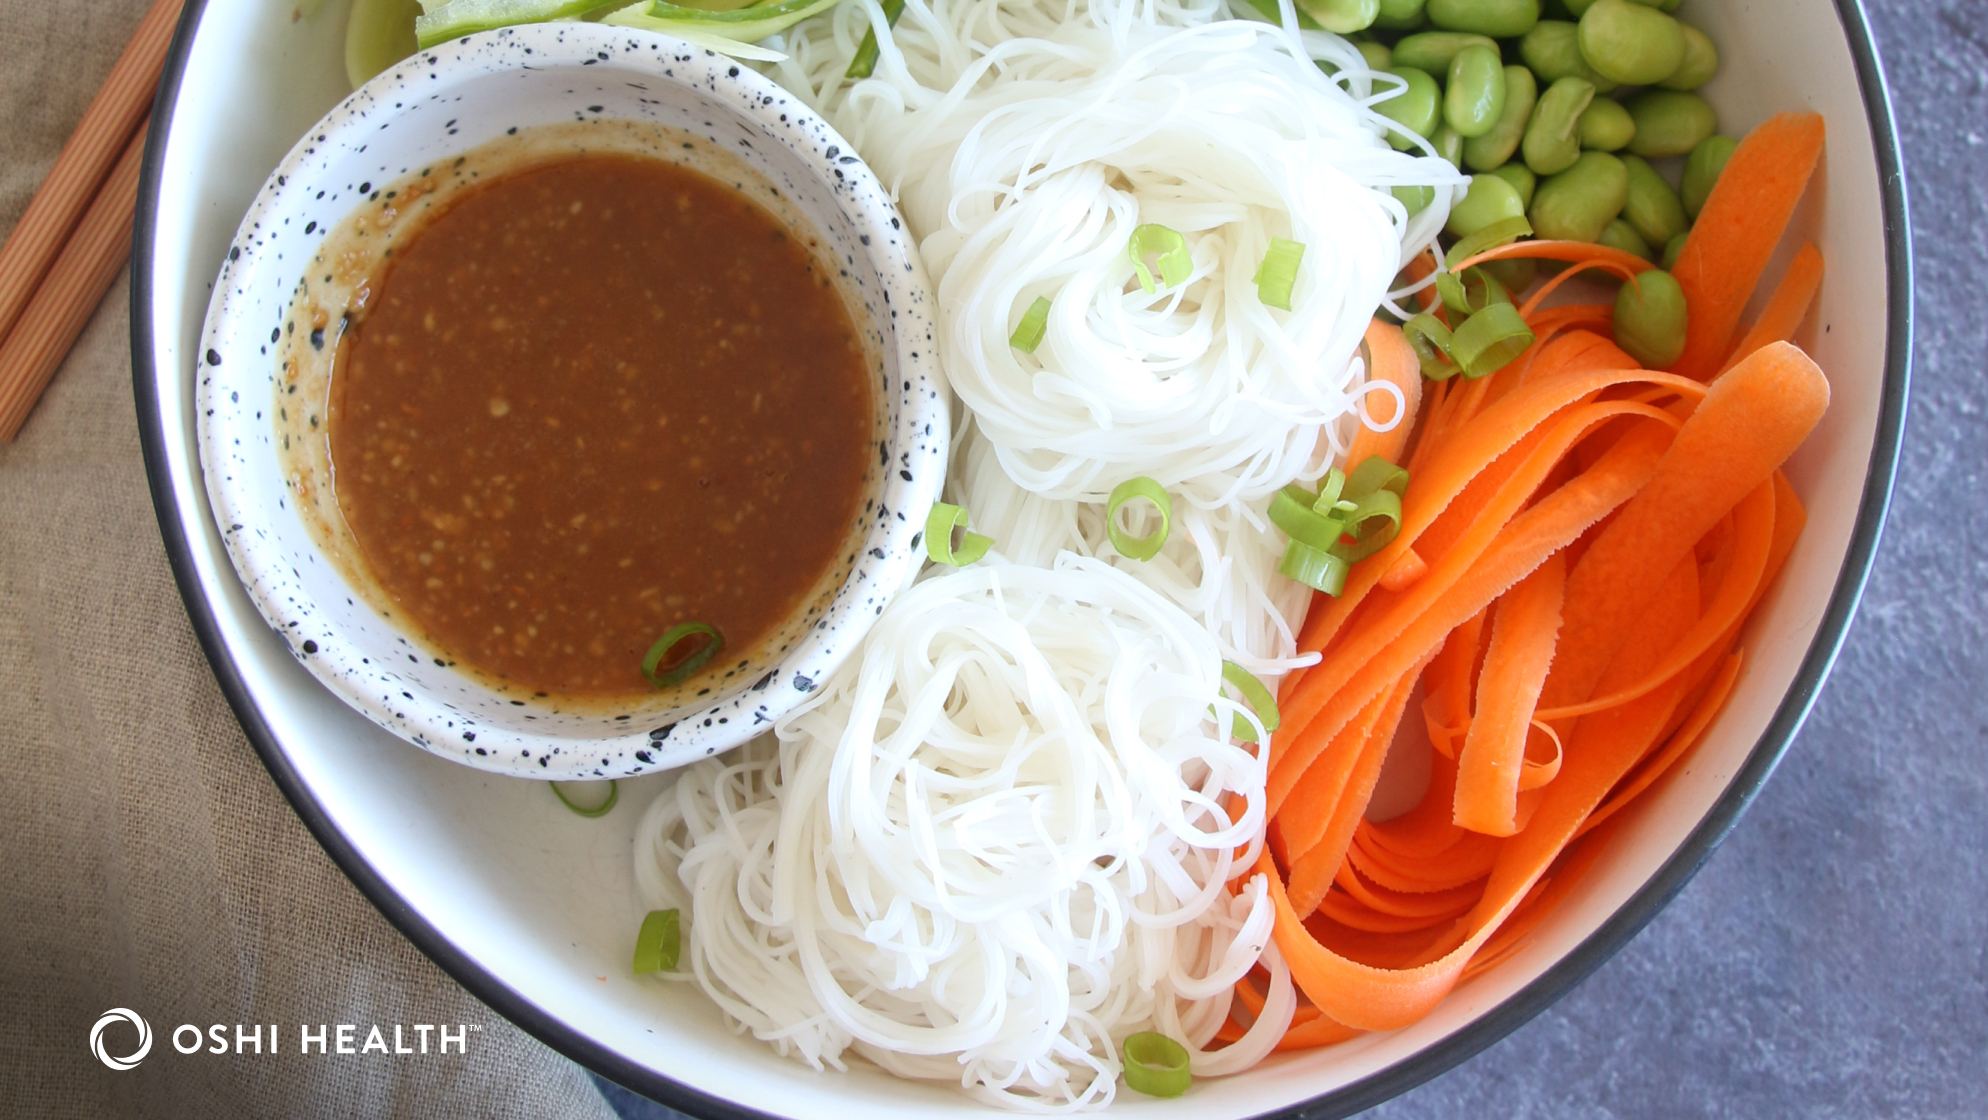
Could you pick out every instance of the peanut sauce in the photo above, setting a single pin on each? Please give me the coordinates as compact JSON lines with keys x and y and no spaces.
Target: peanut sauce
{"x":592,"y":400}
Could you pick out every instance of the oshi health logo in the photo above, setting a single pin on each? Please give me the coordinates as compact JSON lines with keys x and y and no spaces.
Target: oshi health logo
{"x":102,"y":1051}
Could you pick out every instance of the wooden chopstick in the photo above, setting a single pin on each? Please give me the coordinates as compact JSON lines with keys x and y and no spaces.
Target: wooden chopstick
{"x":69,"y":293}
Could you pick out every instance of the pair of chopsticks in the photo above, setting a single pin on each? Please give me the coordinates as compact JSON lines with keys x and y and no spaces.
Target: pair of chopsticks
{"x":75,"y":237}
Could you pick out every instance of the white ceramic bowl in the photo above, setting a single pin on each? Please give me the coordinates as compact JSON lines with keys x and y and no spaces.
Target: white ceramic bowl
{"x":591,"y":81}
{"x":531,"y":907}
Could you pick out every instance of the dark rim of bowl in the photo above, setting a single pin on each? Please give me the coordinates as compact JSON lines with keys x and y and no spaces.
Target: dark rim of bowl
{"x":1347,"y":1099}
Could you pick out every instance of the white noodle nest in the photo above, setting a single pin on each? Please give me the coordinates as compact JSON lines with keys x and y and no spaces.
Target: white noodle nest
{"x":992,"y":846}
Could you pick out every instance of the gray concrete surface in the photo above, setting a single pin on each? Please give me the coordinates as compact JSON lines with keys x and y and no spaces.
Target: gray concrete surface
{"x":1831,"y":960}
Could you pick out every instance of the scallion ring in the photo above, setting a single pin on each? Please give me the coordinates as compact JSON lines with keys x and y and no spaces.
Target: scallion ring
{"x":940,"y":525}
{"x":1470,"y":291}
{"x":1129,"y":546}
{"x":1374,"y":521}
{"x":865,"y":62}
{"x":1330,"y":489}
{"x":658,"y":944}
{"x":1375,"y":473}
{"x":1278,"y":273}
{"x":1176,"y":263}
{"x":1490,"y":237}
{"x":690,"y":664}
{"x":1156,"y":1065}
{"x":1035,"y":323}
{"x":1431,"y":341}
{"x":1292,"y":510}
{"x":1315,"y":568}
{"x":1489,"y":340}
{"x":1256,"y":696}
{"x":601,"y":810}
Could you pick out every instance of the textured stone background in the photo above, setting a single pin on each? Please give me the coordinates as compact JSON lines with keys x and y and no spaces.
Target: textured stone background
{"x":1831,"y":960}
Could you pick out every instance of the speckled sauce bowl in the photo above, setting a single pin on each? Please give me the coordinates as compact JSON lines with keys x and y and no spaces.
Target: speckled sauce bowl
{"x":575,"y":87}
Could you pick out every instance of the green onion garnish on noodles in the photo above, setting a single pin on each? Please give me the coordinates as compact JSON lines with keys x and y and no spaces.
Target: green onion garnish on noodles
{"x":1294,"y":509}
{"x":1376,"y":473}
{"x":658,"y":944}
{"x":1490,"y":237}
{"x":681,"y":671}
{"x":1349,"y":519}
{"x":1176,"y":263}
{"x":1256,"y":696}
{"x":1035,"y":323}
{"x":1156,"y":1065}
{"x":1315,"y":568}
{"x":1489,"y":339}
{"x":600,"y":810}
{"x":1373,"y":522}
{"x":1148,"y":546}
{"x":1278,"y":273}
{"x":1431,"y":342}
{"x":1470,"y":291}
{"x":865,"y":62}
{"x":940,"y":525}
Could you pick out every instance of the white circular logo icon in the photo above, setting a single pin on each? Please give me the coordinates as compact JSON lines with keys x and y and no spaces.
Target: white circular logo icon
{"x":123,"y":1015}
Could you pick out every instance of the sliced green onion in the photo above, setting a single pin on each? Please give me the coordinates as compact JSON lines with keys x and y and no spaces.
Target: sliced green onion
{"x":865,"y":62}
{"x":1373,"y":522}
{"x":1176,"y":263}
{"x":1315,"y":568}
{"x":1035,"y":323}
{"x":442,"y":22}
{"x":1256,"y":696}
{"x":1376,"y":473}
{"x":1470,"y":291}
{"x":1148,"y":546}
{"x":1156,"y":1065}
{"x":658,"y":944}
{"x":1431,"y":341}
{"x":601,"y":810}
{"x":1490,"y":237}
{"x":1489,"y":339}
{"x":682,"y":670}
{"x":940,"y":525}
{"x":1278,"y":273}
{"x":1331,"y":488}
{"x":1293,"y":510}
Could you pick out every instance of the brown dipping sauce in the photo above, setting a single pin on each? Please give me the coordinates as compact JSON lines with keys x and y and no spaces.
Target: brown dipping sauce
{"x":593,"y":400}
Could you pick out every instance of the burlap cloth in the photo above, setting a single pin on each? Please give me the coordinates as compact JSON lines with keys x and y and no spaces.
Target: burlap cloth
{"x":146,"y":858}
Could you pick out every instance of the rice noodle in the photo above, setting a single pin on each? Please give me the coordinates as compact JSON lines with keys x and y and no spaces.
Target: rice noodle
{"x":986,"y":851}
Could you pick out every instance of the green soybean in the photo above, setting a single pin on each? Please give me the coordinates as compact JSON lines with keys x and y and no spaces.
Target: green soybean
{"x":1401,"y":15}
{"x":1491,"y":199}
{"x":1701,"y":170}
{"x":1522,"y":180}
{"x":1630,"y":43}
{"x":1494,"y":148}
{"x":1651,"y":206}
{"x":1605,"y":126}
{"x":1432,"y":51}
{"x":1342,"y":17}
{"x":1578,"y":8}
{"x":1670,"y":123}
{"x":1578,"y":203}
{"x":1650,"y":318}
{"x":1474,"y":96}
{"x":1378,"y":56}
{"x":1515,"y":273}
{"x":1553,"y":50}
{"x":1673,"y":249}
{"x":1416,"y":199}
{"x":1448,"y":144}
{"x":1500,"y":19}
{"x":1416,"y":108}
{"x":1619,"y":234}
{"x":1701,"y":61}
{"x":1552,"y":141}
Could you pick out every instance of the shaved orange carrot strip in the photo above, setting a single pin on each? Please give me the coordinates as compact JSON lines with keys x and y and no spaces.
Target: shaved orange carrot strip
{"x":1389,"y":359}
{"x":1523,"y":631}
{"x":1533,"y":301}
{"x":1403,"y":573}
{"x":1570,"y":251}
{"x":1736,"y":232}
{"x":1785,"y":309}
{"x":1682,"y":740}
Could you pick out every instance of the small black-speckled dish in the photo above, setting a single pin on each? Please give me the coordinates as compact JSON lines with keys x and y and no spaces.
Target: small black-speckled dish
{"x":407,"y":142}
{"x":532,"y":909}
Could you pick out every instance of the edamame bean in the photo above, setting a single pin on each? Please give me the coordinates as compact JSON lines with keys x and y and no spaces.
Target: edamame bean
{"x":1650,"y":318}
{"x":1701,"y":61}
{"x":1416,"y":108}
{"x":1578,"y":8}
{"x":1500,"y":19}
{"x":1619,"y":234}
{"x":1378,"y":56}
{"x":1416,"y":199}
{"x":1673,"y":249}
{"x":1629,"y":43}
{"x":1432,"y":51}
{"x":1474,"y":97}
{"x":1495,"y":147}
{"x":1516,"y":273}
{"x":1669,"y":123}
{"x":1401,"y":15}
{"x":1578,"y":203}
{"x":1491,"y":199}
{"x":1448,"y":144}
{"x":1553,"y":50}
{"x":1522,"y":180}
{"x":1605,"y":126}
{"x":1651,"y":206}
{"x":1701,"y":170}
{"x":1552,"y":142}
{"x":1342,"y":17}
